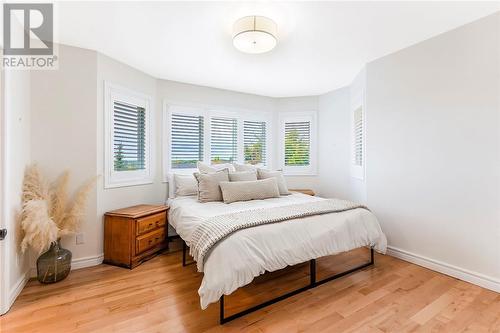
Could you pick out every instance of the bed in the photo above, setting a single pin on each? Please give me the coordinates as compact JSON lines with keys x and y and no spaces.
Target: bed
{"x":245,"y":254}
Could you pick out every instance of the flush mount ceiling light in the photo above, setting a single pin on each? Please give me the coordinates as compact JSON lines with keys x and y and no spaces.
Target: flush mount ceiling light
{"x":254,"y":34}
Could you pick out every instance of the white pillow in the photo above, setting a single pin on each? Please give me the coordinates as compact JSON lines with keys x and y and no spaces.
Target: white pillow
{"x":245,"y":167}
{"x":249,"y":190}
{"x":184,"y":185}
{"x":242,"y":176}
{"x":205,"y":168}
{"x":265,"y":174}
{"x":208,"y":185}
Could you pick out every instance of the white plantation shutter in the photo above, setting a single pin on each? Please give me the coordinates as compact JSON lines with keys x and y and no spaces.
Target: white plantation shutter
{"x":358,"y":142}
{"x":223,"y":140}
{"x":297,"y":143}
{"x":254,"y":142}
{"x":129,"y":137}
{"x":187,"y":140}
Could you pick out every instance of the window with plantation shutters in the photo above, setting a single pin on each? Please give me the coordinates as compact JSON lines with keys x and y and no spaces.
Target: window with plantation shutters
{"x":297,"y":143}
{"x":254,"y":142}
{"x":129,"y":137}
{"x":213,"y":136}
{"x":358,"y":137}
{"x":223,"y":140}
{"x":187,"y":140}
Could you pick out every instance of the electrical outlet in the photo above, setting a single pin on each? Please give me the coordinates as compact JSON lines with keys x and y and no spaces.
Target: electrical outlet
{"x":80,"y":238}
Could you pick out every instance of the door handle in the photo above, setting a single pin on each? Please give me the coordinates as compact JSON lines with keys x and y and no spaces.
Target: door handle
{"x":3,"y":234}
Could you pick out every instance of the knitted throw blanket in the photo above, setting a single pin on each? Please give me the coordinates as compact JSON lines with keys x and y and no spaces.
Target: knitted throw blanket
{"x":216,"y":228}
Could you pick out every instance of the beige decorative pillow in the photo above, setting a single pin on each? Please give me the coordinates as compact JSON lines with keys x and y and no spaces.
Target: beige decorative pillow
{"x":205,"y":168}
{"x":208,"y":185}
{"x":249,"y":190}
{"x":185,"y":185}
{"x":242,"y":176}
{"x":245,"y":167}
{"x":265,"y":174}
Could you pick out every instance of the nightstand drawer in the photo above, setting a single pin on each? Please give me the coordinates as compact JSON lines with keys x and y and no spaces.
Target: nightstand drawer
{"x":150,"y":240}
{"x":149,"y":223}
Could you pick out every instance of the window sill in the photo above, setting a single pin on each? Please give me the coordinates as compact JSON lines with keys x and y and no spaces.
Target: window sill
{"x":310,"y":170}
{"x":357,"y":172}
{"x":297,"y":174}
{"x":112,"y":185}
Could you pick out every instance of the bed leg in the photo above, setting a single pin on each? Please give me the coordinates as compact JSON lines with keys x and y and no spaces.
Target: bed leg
{"x":221,"y":312}
{"x":372,"y":258}
{"x":184,"y":249}
{"x":312,"y":271}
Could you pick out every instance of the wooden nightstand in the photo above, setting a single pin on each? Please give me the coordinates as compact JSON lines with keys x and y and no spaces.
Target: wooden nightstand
{"x":305,"y":191}
{"x":134,"y":234}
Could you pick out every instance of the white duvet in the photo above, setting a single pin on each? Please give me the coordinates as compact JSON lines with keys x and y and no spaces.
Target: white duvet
{"x":236,"y":260}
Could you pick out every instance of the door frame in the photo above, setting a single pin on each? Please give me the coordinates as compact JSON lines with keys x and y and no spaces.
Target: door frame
{"x":4,"y":248}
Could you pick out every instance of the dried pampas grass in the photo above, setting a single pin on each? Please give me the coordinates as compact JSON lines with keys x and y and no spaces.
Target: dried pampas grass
{"x":45,"y":215}
{"x":39,"y":229}
{"x":70,"y":223}
{"x":58,"y":198}
{"x":35,"y":187}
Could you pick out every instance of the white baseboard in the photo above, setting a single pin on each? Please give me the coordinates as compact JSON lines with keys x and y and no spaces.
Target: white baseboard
{"x":87,"y":262}
{"x":479,"y":279}
{"x":18,"y":287}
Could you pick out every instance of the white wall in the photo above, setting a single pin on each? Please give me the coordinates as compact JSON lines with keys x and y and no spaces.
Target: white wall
{"x":64,"y":133}
{"x":177,"y":92}
{"x":334,"y":145}
{"x":433,"y":176}
{"x":17,"y":155}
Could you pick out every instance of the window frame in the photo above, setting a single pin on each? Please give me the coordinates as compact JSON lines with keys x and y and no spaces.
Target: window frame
{"x":287,"y":117}
{"x":112,"y":178}
{"x":209,"y":111}
{"x":358,"y":171}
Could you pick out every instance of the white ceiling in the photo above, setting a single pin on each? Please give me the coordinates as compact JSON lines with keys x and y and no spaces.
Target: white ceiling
{"x":322,"y":45}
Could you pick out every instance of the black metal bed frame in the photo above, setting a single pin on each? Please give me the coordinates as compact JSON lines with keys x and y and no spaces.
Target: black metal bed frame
{"x":312,"y":284}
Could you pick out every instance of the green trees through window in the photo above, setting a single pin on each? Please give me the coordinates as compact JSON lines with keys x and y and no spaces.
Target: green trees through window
{"x":297,"y":144}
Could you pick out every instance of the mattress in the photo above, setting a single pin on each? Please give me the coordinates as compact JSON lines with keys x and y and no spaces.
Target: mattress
{"x":245,"y":254}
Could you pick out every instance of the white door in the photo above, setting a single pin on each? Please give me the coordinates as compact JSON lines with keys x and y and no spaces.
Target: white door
{"x":3,"y":245}
{"x":4,"y":297}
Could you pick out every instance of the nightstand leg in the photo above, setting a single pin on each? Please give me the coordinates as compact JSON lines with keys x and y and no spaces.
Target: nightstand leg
{"x":184,"y":248}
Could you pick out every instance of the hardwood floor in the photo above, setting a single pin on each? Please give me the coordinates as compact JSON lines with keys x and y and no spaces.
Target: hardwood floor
{"x":161,"y":296}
